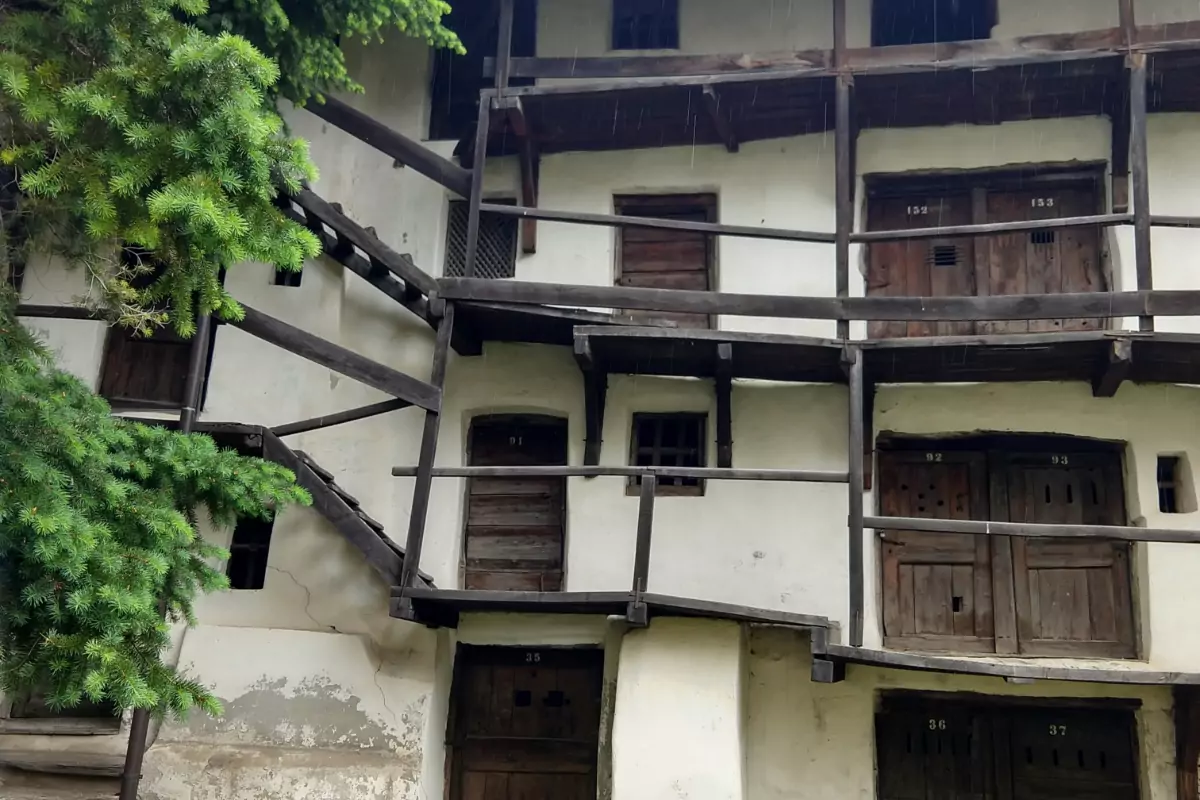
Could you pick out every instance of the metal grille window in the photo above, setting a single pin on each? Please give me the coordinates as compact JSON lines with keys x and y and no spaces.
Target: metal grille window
{"x":645,"y":25}
{"x":670,"y":440}
{"x":497,"y":256}
{"x":248,"y":553}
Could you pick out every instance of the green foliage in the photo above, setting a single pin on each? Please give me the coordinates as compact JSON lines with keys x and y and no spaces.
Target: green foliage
{"x":95,"y":528}
{"x":303,"y":36}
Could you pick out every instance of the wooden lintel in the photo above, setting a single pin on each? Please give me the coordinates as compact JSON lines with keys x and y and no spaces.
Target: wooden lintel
{"x":724,"y":391}
{"x":595,"y":394}
{"x":394,"y":144}
{"x":720,"y":120}
{"x":1115,"y":368}
{"x":1033,"y":530}
{"x":637,"y":613}
{"x":339,"y":359}
{"x":1169,"y":303}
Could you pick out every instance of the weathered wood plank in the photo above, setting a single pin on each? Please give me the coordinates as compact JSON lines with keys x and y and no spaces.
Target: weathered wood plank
{"x":35,"y":311}
{"x":698,"y":473}
{"x":339,"y":359}
{"x":475,"y":197}
{"x":1115,"y":370}
{"x":1032,"y":530}
{"x":724,"y":127}
{"x":394,"y":144}
{"x":992,"y":228}
{"x":1139,"y":165}
{"x":855,"y":497}
{"x":339,"y":418}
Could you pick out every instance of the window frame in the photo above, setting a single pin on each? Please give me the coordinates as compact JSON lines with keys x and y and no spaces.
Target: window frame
{"x":662,"y":488}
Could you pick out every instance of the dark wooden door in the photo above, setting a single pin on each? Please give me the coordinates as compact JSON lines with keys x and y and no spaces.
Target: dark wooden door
{"x":936,"y":749}
{"x":526,"y":724}
{"x":920,"y":268}
{"x":660,"y":259}
{"x":1043,"y":262}
{"x":515,"y":526}
{"x":1073,"y":597}
{"x":148,"y":371}
{"x":937,"y":588}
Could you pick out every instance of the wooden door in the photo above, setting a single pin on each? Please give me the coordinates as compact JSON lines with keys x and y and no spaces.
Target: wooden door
{"x":515,"y":526}
{"x":937,"y":588}
{"x":931,"y":748}
{"x":1043,"y":262}
{"x":661,"y":259}
{"x":526,"y":724}
{"x":920,"y":268}
{"x":1073,"y":597}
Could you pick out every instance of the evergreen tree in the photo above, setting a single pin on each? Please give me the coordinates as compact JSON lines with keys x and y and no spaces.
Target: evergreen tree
{"x":96,"y":528}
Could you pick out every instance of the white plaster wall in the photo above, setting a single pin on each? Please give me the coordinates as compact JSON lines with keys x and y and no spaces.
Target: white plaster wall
{"x":817,"y":741}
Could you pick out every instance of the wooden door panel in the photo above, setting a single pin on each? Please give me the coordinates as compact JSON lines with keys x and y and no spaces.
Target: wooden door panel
{"x":1072,"y":597}
{"x":1042,"y":262}
{"x":937,"y":588}
{"x":1064,"y":753}
{"x":935,"y":753}
{"x":929,"y":268}
{"x":515,"y":526}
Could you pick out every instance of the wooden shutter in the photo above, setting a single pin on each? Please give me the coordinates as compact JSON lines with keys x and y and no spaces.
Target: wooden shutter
{"x":658,"y":259}
{"x":932,"y":751}
{"x":1073,"y":597}
{"x":149,"y":371}
{"x":1043,"y":262}
{"x":937,"y":588}
{"x":514,"y":535}
{"x":920,"y":268}
{"x":526,"y":729}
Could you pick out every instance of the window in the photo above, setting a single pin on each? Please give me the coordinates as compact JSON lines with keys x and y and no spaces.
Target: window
{"x":1175,"y":492}
{"x":899,"y":22}
{"x":662,"y":259}
{"x":497,"y":255}
{"x":670,"y":440}
{"x":248,"y":553}
{"x":289,"y":277}
{"x":645,"y":25}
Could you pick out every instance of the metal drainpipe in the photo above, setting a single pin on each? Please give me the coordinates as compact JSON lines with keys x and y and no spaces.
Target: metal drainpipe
{"x":139,"y":726}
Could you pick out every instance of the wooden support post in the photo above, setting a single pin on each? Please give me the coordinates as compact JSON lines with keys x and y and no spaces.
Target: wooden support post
{"x":638,"y":614}
{"x":843,"y":144}
{"x":504,"y":46}
{"x":1119,"y":114}
{"x":724,"y":387}
{"x":139,"y":724}
{"x":424,"y":481}
{"x":1114,"y":370}
{"x":531,"y":168}
{"x":722,"y":123}
{"x":854,"y":358}
{"x":1128,"y":20}
{"x":479,"y":159}
{"x":1187,"y":741}
{"x":1140,"y":166}
{"x":595,"y":393}
{"x":868,"y":422}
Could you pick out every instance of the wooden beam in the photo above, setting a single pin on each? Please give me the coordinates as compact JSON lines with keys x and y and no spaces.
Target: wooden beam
{"x":844,"y":182}
{"x":1004,"y":307}
{"x":650,"y":223}
{"x":479,"y":160}
{"x":1032,"y":530}
{"x":595,"y":394}
{"x":724,"y":391}
{"x":855,"y":495}
{"x":670,"y":605}
{"x":1115,"y":370}
{"x":991,"y":228}
{"x":340,"y":418}
{"x":339,"y":359}
{"x":591,"y":68}
{"x":1121,"y":119}
{"x":697,"y":473}
{"x":1140,"y":167}
{"x":504,"y":46}
{"x":637,"y":613}
{"x":1128,"y":26}
{"x":394,"y":144}
{"x":35,"y":311}
{"x":720,"y":121}
{"x":419,"y":510}
{"x":530,"y":162}
{"x":398,"y":264}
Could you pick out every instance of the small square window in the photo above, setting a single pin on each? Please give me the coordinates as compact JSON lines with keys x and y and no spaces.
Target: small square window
{"x":497,"y":254}
{"x":1176,"y":495}
{"x":645,"y":25}
{"x":248,"y":553}
{"x":670,"y":440}
{"x":288,"y":277}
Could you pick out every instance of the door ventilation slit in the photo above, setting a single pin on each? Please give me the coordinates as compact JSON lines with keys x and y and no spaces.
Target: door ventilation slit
{"x":944,"y":255}
{"x":1042,"y":237}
